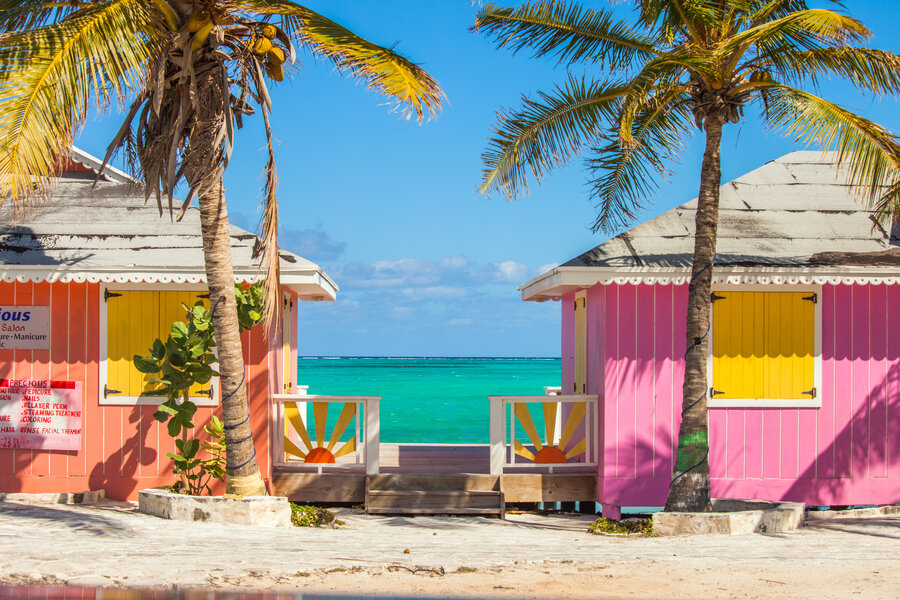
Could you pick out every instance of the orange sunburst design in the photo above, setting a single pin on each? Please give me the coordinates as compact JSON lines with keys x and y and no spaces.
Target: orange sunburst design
{"x":546,"y":451}
{"x":320,"y":453}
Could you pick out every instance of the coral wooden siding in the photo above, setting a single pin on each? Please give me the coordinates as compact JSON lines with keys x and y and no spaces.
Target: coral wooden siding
{"x":123,"y":449}
{"x":846,"y":452}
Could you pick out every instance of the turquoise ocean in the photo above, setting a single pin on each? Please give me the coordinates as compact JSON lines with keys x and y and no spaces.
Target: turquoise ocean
{"x":430,"y":400}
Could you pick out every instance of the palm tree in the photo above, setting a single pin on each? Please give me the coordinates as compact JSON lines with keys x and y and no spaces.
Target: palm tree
{"x":682,"y":66}
{"x":192,"y":71}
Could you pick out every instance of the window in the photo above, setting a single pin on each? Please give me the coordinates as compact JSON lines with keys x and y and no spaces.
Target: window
{"x":133,"y":318}
{"x":764,"y":349}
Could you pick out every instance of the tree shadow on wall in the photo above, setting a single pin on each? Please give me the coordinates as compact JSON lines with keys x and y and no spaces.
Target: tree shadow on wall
{"x":118,"y":474}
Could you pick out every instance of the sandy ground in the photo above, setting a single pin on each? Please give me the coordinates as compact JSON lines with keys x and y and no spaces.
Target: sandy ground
{"x":526,"y":556}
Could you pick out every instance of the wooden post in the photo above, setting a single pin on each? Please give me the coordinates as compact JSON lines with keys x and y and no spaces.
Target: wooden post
{"x":373,"y":424}
{"x":497,"y":429}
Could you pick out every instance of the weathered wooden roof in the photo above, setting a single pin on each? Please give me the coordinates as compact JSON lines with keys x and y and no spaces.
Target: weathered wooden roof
{"x":106,"y":232}
{"x":793,"y":215}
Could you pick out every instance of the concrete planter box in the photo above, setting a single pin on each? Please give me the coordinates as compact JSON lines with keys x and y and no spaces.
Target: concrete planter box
{"x":271,"y":511}
{"x":855,"y":513}
{"x":732,"y":517}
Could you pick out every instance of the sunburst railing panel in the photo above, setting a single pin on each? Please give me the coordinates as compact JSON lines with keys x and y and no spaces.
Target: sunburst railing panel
{"x":326,"y":432}
{"x":543,"y":431}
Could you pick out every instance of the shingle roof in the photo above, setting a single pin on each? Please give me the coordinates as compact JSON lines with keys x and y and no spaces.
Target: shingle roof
{"x":792,"y":211}
{"x":106,"y":232}
{"x":792,"y":219}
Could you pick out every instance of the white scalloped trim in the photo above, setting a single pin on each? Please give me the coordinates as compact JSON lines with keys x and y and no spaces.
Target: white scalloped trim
{"x":112,"y":278}
{"x":743,"y":279}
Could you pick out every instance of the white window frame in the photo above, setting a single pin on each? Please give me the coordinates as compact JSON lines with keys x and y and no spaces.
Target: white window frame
{"x":117,"y":400}
{"x":817,"y":350}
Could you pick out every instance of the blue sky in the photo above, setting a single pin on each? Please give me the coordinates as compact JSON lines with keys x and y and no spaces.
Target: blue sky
{"x":389,"y":208}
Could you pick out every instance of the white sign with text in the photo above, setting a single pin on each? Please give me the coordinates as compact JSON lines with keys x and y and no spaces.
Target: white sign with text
{"x":24,"y":327}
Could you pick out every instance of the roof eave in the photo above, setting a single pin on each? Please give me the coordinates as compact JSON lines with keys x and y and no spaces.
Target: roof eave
{"x":561,"y":280}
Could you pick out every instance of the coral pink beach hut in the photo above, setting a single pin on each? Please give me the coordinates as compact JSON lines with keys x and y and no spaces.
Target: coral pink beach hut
{"x":88,"y":279}
{"x":804,"y":363}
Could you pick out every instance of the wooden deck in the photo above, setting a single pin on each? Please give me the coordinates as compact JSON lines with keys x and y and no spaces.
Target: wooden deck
{"x":442,"y":465}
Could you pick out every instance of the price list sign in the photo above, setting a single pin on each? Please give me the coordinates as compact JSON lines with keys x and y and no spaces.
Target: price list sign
{"x":40,"y":415}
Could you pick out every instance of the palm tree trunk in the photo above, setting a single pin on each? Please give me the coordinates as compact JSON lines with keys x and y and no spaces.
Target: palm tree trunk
{"x":689,"y":491}
{"x":242,"y":472}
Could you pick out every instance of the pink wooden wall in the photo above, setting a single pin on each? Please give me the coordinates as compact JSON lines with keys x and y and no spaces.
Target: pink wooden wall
{"x":846,"y":452}
{"x":123,"y":449}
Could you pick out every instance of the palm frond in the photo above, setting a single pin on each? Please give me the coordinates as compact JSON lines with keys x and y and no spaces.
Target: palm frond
{"x":547,"y":132}
{"x":412,"y":88}
{"x":804,"y":29}
{"x":50,"y":75}
{"x":16,"y":15}
{"x":566,"y":32}
{"x":869,"y":152}
{"x":626,"y":175}
{"x":876,"y":71}
{"x":271,"y":263}
{"x":688,"y":19}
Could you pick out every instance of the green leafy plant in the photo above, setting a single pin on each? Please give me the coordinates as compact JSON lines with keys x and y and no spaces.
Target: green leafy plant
{"x":604,"y":526}
{"x":184,"y":360}
{"x":305,"y":515}
{"x":195,"y":474}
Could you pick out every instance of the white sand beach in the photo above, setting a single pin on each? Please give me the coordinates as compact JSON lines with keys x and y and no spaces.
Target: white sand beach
{"x":525,"y":556}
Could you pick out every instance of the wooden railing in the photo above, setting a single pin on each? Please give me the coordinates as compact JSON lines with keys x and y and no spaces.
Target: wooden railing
{"x":326,"y":445}
{"x":567,"y":439}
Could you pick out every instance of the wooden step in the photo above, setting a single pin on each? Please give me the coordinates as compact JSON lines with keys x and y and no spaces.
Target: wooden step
{"x":455,"y":481}
{"x":444,"y":502}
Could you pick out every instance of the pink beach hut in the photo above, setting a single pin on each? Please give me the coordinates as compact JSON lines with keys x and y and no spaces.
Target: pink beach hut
{"x":804,"y":364}
{"x":88,"y":279}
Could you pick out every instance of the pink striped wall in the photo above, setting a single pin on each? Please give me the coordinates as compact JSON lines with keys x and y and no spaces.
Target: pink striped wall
{"x":123,"y":449}
{"x":845,"y":452}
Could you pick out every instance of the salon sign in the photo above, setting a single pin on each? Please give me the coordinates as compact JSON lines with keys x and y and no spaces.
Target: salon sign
{"x":24,"y":327}
{"x":40,"y":414}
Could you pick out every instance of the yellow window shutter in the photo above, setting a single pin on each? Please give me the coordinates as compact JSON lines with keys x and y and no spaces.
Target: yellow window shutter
{"x":580,"y":346}
{"x":134,"y":319}
{"x":132,"y":324}
{"x":763,"y":345}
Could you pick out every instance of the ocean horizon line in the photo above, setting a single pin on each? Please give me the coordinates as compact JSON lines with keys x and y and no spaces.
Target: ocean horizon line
{"x":337,"y":357}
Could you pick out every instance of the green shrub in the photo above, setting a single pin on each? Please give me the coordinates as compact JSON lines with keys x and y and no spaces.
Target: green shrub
{"x":628,"y":527}
{"x":305,"y":515}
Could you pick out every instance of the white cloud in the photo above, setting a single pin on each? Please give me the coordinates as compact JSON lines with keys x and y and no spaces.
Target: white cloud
{"x":547,"y":267}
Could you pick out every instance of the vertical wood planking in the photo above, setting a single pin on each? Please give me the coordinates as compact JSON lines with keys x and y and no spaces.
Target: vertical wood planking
{"x":771,"y":443}
{"x":22,"y":369}
{"x":258,"y":394}
{"x":663,"y":378}
{"x":893,"y":380}
{"x":77,"y":366}
{"x":859,"y":383}
{"x":753,"y":461}
{"x":807,"y":420}
{"x":790,"y":443}
{"x":7,"y":361}
{"x":40,"y":369}
{"x":718,"y":421}
{"x":644,"y":380}
{"x":611,"y":378}
{"x":625,"y":461}
{"x":735,"y":433}
{"x":567,"y":342}
{"x":95,"y":455}
{"x":680,"y":343}
{"x":596,"y":356}
{"x":59,"y":360}
{"x":878,"y":430}
{"x":841,"y":401}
